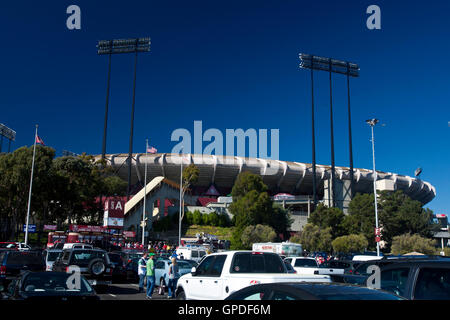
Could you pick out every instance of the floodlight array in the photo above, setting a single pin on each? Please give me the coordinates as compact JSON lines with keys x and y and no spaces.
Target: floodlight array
{"x":308,"y":61}
{"x":123,"y":46}
{"x":7,"y":132}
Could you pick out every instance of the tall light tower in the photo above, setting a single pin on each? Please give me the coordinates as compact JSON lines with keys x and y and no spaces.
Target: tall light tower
{"x":372,"y":123}
{"x":312,"y":62}
{"x":110,"y":47}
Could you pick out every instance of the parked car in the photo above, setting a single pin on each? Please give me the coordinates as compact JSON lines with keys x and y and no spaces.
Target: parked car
{"x":310,"y":291}
{"x":8,"y":246}
{"x":221,"y":274}
{"x":50,"y":256}
{"x":94,"y":265}
{"x":131,"y":269}
{"x":128,"y":255}
{"x":307,"y":265}
{"x":12,"y":263}
{"x":48,"y":286}
{"x":289,"y":267}
{"x":418,"y":280}
{"x":119,"y":272}
{"x":162,"y":270}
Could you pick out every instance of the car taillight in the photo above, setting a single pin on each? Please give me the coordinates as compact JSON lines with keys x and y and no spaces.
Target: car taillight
{"x":3,"y":270}
{"x":67,"y":269}
{"x":257,"y":253}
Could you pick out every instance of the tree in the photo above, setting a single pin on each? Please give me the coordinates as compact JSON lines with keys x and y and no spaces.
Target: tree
{"x":399,"y":214}
{"x":114,"y":186}
{"x":361,"y":218}
{"x":325,"y":217}
{"x":296,"y":238}
{"x":412,"y":243}
{"x":258,"y":233}
{"x":314,"y":238}
{"x":15,"y":175}
{"x":190,"y":177}
{"x":252,"y":205}
{"x":224,"y":220}
{"x":350,"y":243}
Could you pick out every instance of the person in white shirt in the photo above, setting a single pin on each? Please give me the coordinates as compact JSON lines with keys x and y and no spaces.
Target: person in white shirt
{"x":142,"y":271}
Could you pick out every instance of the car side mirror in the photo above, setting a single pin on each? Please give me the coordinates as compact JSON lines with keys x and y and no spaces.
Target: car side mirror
{"x":194,"y":271}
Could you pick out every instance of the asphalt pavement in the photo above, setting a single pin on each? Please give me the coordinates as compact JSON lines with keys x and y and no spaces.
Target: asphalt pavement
{"x":128,"y":291}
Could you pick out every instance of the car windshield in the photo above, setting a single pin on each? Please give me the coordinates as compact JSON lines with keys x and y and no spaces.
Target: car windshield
{"x":184,"y":265}
{"x":53,"y":255}
{"x":306,"y":263}
{"x":54,"y":282}
{"x":84,"y":256}
{"x":8,"y":245}
{"x":25,"y":258}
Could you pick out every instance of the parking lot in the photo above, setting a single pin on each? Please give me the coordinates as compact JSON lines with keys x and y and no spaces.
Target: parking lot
{"x":128,"y":291}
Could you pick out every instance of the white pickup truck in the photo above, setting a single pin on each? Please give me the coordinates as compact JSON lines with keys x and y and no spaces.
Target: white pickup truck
{"x":305,"y":265}
{"x":221,"y":274}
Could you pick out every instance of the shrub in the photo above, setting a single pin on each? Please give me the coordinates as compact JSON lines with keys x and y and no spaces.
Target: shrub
{"x":406,"y":243}
{"x":350,"y":243}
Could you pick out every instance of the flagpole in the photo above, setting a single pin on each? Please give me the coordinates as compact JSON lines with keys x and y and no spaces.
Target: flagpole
{"x":145,"y":194}
{"x":31,"y":186}
{"x":181,"y":188}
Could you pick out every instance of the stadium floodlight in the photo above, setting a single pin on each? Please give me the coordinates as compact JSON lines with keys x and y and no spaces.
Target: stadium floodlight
{"x":118,"y":46}
{"x":418,"y":172}
{"x":308,"y":61}
{"x":8,"y":133}
{"x":123,"y":46}
{"x":313,"y":62}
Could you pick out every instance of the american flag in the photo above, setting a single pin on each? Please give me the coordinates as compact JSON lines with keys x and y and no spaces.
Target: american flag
{"x":39,"y":140}
{"x":151,"y":150}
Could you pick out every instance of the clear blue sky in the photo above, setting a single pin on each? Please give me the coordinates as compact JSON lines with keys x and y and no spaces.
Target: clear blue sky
{"x":234,"y":64}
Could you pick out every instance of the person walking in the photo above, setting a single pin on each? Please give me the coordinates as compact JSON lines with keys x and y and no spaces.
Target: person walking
{"x":142,"y":271}
{"x":174,"y":275}
{"x":150,"y":275}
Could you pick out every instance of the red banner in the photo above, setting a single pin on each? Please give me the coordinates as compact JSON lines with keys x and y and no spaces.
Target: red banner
{"x":82,"y":228}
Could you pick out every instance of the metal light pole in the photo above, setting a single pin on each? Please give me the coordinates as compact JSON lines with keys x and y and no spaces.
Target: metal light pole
{"x":31,"y":187}
{"x":123,"y":46}
{"x":181,"y":201}
{"x":145,"y":195}
{"x":372,"y":124}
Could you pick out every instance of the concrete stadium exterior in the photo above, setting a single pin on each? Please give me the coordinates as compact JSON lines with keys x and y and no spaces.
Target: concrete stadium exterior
{"x":280,"y":176}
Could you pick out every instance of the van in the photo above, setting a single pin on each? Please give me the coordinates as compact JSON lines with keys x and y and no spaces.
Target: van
{"x":195,"y":253}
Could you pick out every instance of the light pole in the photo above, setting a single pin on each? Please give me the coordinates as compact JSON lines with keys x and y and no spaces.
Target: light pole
{"x":372,"y":123}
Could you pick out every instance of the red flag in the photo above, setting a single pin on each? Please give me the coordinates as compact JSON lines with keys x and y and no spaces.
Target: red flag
{"x":39,"y":140}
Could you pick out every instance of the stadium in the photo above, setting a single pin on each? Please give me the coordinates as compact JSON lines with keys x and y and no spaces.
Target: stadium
{"x":289,"y":183}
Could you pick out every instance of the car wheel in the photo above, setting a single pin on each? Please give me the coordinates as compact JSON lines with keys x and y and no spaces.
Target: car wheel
{"x":181,"y":295}
{"x":162,"y":285}
{"x":97,"y":267}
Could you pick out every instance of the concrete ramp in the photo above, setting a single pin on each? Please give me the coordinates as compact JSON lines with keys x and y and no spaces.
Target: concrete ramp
{"x":140,"y":195}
